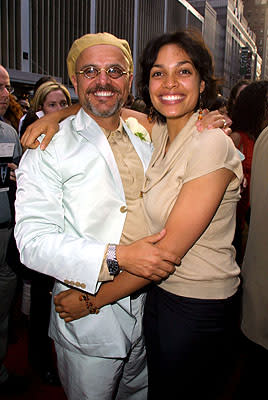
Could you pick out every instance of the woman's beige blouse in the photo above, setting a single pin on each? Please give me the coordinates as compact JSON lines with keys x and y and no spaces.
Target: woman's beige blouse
{"x":208,"y":270}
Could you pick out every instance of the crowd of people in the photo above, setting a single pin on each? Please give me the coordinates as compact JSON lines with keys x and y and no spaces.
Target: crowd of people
{"x":144,"y":225}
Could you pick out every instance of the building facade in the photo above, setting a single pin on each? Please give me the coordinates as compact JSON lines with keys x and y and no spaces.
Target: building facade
{"x":256,"y":12}
{"x":230,"y":39}
{"x":36,"y":35}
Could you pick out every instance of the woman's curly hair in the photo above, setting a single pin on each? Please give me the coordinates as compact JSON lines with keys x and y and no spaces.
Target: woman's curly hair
{"x":14,"y":112}
{"x":193,"y":44}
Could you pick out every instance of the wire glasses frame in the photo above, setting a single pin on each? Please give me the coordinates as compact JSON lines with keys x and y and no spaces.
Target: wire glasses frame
{"x":10,"y":89}
{"x":92,"y":72}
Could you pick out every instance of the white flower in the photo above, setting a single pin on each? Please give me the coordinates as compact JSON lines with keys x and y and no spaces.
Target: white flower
{"x":138,"y":129}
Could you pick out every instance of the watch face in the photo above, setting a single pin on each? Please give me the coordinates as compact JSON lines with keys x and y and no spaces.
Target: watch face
{"x":113,"y":266}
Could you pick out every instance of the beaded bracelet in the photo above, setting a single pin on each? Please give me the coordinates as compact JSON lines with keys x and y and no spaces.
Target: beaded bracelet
{"x":90,"y":306}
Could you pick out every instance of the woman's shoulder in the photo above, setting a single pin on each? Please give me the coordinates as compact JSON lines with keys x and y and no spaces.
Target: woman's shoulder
{"x":214,"y":135}
{"x":213,"y":142}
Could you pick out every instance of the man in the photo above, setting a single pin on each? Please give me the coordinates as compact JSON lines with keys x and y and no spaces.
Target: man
{"x":75,"y":202}
{"x":10,"y":150}
{"x":254,"y":273}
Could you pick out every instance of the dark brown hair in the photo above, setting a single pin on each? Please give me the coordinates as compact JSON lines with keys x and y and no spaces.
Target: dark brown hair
{"x":250,"y":111}
{"x":193,"y":44}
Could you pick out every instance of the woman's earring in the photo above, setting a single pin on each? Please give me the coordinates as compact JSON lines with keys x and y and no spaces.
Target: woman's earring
{"x":200,"y":110}
{"x":151,"y":114}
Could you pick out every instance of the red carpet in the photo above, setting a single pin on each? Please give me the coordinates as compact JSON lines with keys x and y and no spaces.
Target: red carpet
{"x":17,"y":363}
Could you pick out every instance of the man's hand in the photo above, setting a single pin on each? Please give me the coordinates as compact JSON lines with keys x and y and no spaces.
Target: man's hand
{"x":45,"y":125}
{"x":214,"y":119}
{"x":144,"y":259}
{"x":68,"y":305}
{"x":12,"y":167}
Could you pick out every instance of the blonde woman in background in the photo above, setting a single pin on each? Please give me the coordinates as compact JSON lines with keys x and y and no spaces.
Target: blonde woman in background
{"x":51,"y":96}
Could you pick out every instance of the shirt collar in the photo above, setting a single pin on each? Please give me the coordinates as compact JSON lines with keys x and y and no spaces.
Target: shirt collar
{"x":120,"y":129}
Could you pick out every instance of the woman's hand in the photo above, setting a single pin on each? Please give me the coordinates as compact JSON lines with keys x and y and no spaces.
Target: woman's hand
{"x":48,"y":125}
{"x":214,"y":119}
{"x":69,"y":306}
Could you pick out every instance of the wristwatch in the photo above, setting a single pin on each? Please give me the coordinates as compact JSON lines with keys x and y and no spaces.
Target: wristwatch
{"x":111,"y":260}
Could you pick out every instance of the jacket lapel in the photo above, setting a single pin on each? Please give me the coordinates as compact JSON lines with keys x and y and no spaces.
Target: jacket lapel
{"x":90,"y":130}
{"x":143,"y":149}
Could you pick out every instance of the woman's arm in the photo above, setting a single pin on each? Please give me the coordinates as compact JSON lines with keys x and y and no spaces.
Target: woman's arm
{"x":70,"y":307}
{"x":193,"y":211}
{"x":48,"y":125}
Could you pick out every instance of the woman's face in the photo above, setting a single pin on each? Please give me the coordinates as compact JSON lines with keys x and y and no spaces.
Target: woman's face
{"x":54,"y":101}
{"x":174,"y":83}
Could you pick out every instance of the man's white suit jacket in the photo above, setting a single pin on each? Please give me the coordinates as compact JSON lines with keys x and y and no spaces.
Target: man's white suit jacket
{"x":70,"y":203}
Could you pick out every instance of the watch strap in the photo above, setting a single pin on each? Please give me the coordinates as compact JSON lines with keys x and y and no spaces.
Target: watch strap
{"x":111,"y":260}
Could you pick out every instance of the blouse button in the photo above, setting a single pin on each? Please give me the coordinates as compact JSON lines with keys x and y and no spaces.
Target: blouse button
{"x":123,"y":209}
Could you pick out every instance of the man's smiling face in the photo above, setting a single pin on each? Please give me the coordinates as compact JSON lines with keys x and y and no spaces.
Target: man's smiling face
{"x":102,"y":96}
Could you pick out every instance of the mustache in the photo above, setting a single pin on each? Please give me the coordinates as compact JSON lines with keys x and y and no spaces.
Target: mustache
{"x":105,"y":88}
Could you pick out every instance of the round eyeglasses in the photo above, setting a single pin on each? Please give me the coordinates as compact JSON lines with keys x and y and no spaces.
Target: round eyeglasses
{"x":10,"y":89}
{"x":92,"y":72}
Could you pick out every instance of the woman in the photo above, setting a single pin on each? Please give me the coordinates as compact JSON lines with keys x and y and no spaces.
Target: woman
{"x":13,"y":113}
{"x":186,"y":329}
{"x":192,"y":186}
{"x":249,"y":119}
{"x":235,"y":92}
{"x":50,"y":96}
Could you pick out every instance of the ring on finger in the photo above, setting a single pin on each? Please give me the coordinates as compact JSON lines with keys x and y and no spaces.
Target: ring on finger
{"x":224,"y":123}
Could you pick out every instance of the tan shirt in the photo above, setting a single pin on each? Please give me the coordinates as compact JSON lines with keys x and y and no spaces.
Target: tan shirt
{"x":208,"y":270}
{"x":132,"y":175}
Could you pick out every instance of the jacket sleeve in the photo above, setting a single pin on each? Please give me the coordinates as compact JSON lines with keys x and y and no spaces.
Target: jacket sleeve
{"x":44,"y":242}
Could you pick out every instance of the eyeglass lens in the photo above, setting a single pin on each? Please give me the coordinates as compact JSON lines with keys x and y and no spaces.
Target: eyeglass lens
{"x":113,"y":72}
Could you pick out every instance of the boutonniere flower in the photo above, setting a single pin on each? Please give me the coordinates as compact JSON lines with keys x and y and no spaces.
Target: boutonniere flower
{"x":138,"y":129}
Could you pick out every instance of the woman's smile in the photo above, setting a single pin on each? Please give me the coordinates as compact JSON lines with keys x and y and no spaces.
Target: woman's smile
{"x":174,"y":84}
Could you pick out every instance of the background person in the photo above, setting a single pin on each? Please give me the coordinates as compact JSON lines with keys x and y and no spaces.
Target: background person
{"x":13,"y":113}
{"x":32,"y":116}
{"x":254,"y":275}
{"x":235,"y":91}
{"x":49,"y":97}
{"x":249,"y":117}
{"x":9,"y":384}
{"x":24,"y":103}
